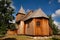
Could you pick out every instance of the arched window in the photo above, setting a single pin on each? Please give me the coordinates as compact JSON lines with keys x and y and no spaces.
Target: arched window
{"x":38,"y":23}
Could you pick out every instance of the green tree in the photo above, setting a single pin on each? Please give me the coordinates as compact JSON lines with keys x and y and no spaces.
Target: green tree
{"x":53,"y":26}
{"x":6,"y":15}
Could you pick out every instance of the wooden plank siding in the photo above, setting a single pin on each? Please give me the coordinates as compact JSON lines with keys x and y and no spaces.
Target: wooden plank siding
{"x":32,"y":29}
{"x":43,"y":29}
{"x":29,"y":27}
{"x":11,"y":32}
{"x":19,"y":17}
{"x":21,"y":28}
{"x":38,"y":29}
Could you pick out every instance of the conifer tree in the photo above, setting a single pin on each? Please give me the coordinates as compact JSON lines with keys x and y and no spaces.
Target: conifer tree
{"x":53,"y":26}
{"x":6,"y":15}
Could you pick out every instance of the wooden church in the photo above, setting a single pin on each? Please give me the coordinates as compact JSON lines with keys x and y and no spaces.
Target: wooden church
{"x":34,"y":23}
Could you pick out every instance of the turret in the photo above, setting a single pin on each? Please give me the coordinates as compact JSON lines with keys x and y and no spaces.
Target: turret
{"x":21,"y":13}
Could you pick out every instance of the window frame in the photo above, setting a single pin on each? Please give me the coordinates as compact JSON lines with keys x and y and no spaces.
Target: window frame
{"x":38,"y":23}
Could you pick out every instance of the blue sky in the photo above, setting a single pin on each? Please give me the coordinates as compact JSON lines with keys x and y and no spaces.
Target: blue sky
{"x":50,"y":7}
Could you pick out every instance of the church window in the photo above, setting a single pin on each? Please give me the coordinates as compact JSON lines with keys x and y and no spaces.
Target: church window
{"x":38,"y":23}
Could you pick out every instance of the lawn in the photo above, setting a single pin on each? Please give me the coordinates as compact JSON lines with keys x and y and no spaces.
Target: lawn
{"x":30,"y":38}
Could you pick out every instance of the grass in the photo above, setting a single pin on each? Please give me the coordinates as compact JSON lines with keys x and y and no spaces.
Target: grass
{"x":56,"y":37}
{"x":20,"y":37}
{"x":29,"y":38}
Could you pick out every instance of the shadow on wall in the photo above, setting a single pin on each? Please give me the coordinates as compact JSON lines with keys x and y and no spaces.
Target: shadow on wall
{"x":10,"y":39}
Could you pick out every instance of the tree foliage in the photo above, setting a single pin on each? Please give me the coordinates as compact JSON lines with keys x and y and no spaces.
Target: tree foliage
{"x":53,"y":26}
{"x":6,"y":15}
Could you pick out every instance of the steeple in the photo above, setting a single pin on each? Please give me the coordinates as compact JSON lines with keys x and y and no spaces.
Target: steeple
{"x":21,"y":10}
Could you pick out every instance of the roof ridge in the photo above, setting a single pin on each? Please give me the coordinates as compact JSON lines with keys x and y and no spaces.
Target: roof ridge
{"x":37,"y":13}
{"x":21,"y":10}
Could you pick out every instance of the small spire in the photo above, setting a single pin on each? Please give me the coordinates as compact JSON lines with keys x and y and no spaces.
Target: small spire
{"x":21,"y":10}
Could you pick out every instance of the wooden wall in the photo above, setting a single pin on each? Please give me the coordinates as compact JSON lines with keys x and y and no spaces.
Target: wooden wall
{"x":21,"y":28}
{"x":33,"y":29}
{"x":29,"y":27}
{"x":20,"y":24}
{"x":11,"y":32}
{"x":38,"y":30}
{"x":19,"y":16}
{"x":43,"y":30}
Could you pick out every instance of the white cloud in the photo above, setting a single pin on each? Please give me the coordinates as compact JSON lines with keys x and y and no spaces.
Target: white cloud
{"x":59,"y":1}
{"x":57,"y":13}
{"x":57,"y":24}
{"x":54,"y":15}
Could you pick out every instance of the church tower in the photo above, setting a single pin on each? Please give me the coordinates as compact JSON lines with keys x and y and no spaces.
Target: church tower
{"x":21,"y":13}
{"x":19,"y":23}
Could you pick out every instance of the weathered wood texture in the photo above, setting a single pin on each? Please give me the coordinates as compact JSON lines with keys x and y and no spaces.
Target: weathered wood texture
{"x":43,"y":29}
{"x":11,"y":32}
{"x":19,"y":16}
{"x":21,"y":28}
{"x":29,"y":27}
{"x":32,"y":29}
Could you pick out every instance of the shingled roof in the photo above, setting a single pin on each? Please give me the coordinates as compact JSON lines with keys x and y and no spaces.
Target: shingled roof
{"x":36,"y":13}
{"x":27,"y":15}
{"x":21,"y":14}
{"x":21,"y":10}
